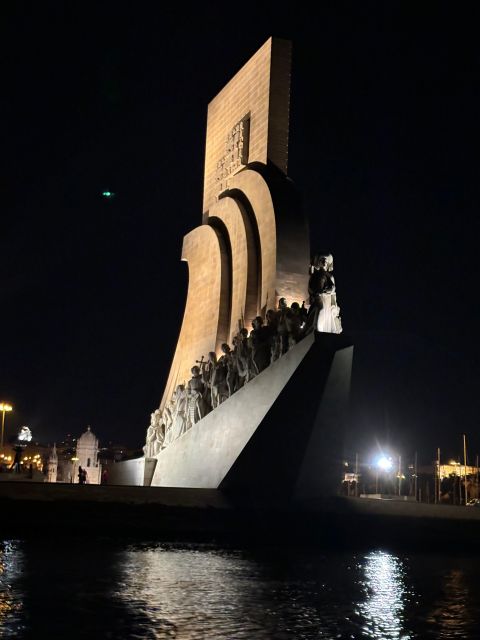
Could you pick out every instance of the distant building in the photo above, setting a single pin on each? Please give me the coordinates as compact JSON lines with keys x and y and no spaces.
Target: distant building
{"x":52,"y":465}
{"x":87,"y":457}
{"x":454,"y":468}
{"x":63,"y":463}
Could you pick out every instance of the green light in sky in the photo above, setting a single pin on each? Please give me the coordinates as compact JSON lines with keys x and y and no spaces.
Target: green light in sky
{"x":107,"y":194}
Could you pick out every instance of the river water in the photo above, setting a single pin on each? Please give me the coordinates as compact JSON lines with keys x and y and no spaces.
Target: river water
{"x":81,"y":589}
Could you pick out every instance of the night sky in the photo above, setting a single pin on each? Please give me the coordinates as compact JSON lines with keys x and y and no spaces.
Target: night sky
{"x":383,"y":147}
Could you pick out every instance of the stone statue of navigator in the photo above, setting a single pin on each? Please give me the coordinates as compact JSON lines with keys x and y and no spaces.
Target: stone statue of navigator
{"x":324,"y":313}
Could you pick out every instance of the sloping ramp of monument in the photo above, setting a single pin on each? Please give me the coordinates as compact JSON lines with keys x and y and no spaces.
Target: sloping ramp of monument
{"x":297,"y":451}
{"x":258,"y":438}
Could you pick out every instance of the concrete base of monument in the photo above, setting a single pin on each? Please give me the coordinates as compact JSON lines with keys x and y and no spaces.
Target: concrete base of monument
{"x":280,"y":435}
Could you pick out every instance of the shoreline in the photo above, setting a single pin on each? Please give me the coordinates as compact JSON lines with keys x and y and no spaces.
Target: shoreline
{"x":33,"y":510}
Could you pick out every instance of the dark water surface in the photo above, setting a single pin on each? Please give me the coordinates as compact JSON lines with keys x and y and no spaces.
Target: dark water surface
{"x":102,"y":590}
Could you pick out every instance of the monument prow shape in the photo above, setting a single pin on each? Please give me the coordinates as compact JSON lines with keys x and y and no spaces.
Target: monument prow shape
{"x":252,"y":248}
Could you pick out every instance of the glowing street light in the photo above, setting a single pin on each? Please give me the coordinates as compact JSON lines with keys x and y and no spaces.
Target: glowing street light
{"x":384,"y":463}
{"x":4,"y":407}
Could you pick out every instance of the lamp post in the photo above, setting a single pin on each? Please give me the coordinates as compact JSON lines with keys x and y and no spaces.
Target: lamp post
{"x":356,"y":475}
{"x":4,"y":407}
{"x":383,"y":464}
{"x":399,"y":475}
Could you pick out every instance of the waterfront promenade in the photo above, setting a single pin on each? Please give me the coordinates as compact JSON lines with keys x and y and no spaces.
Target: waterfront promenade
{"x":32,"y":509}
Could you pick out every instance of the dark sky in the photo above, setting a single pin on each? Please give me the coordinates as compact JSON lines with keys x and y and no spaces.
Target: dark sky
{"x":384,"y":148}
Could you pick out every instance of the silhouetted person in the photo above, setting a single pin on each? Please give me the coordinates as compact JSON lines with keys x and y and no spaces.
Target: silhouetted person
{"x":16,"y":462}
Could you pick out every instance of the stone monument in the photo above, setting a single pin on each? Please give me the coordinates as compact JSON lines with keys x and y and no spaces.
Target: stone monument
{"x":252,"y":246}
{"x":259,"y":415}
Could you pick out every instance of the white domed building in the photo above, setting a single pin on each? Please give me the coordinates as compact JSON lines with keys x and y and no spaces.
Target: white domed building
{"x":87,"y":458}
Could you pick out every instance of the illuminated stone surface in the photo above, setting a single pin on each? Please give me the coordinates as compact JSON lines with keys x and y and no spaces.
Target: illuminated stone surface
{"x":280,"y":433}
{"x":226,"y":216}
{"x":251,"y":250}
{"x":260,"y":91}
{"x":204,"y":325}
{"x":205,"y":454}
{"x":252,"y":247}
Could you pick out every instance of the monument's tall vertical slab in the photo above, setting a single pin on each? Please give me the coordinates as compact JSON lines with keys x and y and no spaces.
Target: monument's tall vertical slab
{"x":248,"y":120}
{"x":252,"y":246}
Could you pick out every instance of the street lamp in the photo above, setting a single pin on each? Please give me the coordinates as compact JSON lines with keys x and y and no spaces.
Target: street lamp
{"x":383,"y":464}
{"x":4,"y":407}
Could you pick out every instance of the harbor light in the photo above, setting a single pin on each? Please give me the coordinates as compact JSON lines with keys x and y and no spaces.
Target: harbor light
{"x":384,"y":463}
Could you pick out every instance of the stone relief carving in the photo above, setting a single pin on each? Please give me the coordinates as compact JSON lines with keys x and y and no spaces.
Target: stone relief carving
{"x":236,"y":153}
{"x":215,"y":380}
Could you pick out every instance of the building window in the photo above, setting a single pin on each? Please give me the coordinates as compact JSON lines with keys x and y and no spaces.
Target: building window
{"x":88,"y":462}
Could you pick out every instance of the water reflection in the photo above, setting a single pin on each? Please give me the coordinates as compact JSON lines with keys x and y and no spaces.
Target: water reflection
{"x":194,"y":593}
{"x":214,"y":594}
{"x":452,"y":614}
{"x":385,"y":596}
{"x":11,"y":603}
{"x":82,"y":589}
{"x":179,"y":591}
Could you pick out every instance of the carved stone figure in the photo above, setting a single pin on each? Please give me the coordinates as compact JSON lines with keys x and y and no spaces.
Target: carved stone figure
{"x":240,"y":359}
{"x":271,"y":319}
{"x":168,"y":418}
{"x":159,"y":426}
{"x":260,"y":340}
{"x":207,"y":369}
{"x":272,"y":327}
{"x":195,"y":398}
{"x":324,"y":313}
{"x":232,"y":375}
{"x":167,"y":413}
{"x":179,"y":414}
{"x":155,"y":435}
{"x":148,"y":448}
{"x":293,"y":321}
{"x":275,"y":347}
{"x":282,"y":328}
{"x":219,"y":383}
{"x":246,"y":354}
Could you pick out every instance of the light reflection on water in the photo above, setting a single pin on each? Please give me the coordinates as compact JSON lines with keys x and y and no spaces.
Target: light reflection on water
{"x":384,"y":601}
{"x":452,"y":614}
{"x":11,"y":601}
{"x":81,"y":589}
{"x":216,"y":595}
